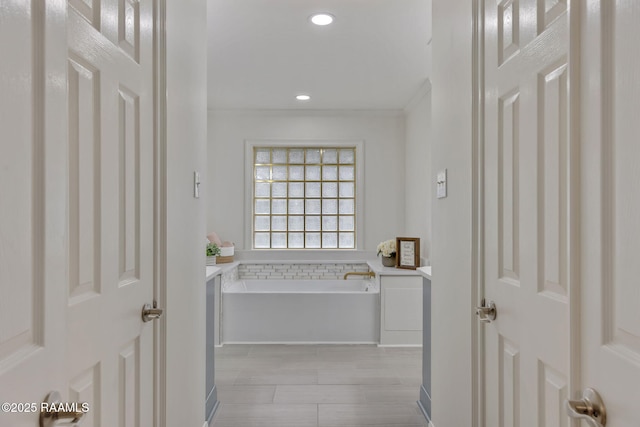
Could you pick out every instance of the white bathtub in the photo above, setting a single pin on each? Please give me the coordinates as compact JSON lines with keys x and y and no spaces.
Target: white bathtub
{"x":300,"y":311}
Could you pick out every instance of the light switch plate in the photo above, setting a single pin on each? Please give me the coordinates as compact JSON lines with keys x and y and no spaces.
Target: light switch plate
{"x":441,"y":184}
{"x":196,"y":184}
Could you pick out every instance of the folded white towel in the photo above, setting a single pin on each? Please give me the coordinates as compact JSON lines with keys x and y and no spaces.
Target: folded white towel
{"x":213,"y":238}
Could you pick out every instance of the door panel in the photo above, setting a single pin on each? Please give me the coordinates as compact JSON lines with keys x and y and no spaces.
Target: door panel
{"x":611,"y":208}
{"x":111,"y":209}
{"x":22,"y":187}
{"x":32,"y":164}
{"x":76,"y":170}
{"x":527,"y":205}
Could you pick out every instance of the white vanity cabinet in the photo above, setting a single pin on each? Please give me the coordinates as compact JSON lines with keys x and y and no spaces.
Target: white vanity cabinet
{"x":400,"y":309}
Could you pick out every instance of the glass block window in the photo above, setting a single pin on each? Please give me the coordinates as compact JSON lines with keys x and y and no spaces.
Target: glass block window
{"x":304,"y":198}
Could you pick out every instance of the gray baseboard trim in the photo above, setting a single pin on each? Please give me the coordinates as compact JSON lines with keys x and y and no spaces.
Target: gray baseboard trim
{"x":424,"y":411}
{"x":425,"y":403}
{"x":213,"y":412}
{"x":213,"y":396}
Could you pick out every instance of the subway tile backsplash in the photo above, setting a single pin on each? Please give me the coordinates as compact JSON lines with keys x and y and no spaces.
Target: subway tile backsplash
{"x":297,"y":271}
{"x":229,"y":276}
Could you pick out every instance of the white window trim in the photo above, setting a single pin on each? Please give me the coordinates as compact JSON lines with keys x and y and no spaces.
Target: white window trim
{"x":306,"y":143}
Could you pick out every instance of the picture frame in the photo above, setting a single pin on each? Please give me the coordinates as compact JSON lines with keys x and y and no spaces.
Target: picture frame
{"x":408,"y":252}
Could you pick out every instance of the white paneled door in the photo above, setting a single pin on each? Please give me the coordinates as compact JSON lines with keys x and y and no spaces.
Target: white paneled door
{"x":76,"y":225}
{"x":561,"y":209}
{"x":528,"y":212}
{"x":610,"y":268}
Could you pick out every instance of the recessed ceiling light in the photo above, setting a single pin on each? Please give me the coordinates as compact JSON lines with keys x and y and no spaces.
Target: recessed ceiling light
{"x":322,"y":18}
{"x":303,"y":97}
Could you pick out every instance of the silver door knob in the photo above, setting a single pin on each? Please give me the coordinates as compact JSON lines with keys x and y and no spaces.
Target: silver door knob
{"x":150,"y":313}
{"x":487,"y":312}
{"x":52,"y":411}
{"x":590,"y":408}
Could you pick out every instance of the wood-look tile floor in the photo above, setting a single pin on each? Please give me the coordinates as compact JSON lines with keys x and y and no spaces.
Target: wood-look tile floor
{"x":318,"y":385}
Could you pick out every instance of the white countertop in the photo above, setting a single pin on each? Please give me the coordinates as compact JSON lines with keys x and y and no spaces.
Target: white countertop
{"x":425,"y":271}
{"x":212,"y":271}
{"x":377,"y":267}
{"x":218,"y":269}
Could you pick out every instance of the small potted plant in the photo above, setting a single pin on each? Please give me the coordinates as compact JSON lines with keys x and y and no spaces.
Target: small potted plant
{"x":212,"y":252}
{"x":387,"y":250}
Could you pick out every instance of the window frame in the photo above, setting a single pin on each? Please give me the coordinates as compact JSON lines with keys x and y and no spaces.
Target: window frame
{"x":250,"y":145}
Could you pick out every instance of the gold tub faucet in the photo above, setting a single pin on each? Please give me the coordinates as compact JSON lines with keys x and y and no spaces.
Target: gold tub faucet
{"x":360,"y":273}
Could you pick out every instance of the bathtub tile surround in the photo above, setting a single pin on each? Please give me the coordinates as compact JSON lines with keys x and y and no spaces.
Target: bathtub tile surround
{"x":320,"y":271}
{"x":229,"y":273}
{"x":316,"y":394}
{"x":288,"y":270}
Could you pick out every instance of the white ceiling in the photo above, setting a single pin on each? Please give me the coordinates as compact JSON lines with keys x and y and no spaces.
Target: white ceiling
{"x":261,"y":53}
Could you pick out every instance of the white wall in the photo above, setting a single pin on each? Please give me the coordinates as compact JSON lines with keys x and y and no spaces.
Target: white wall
{"x":383,"y":136}
{"x":452,"y":295}
{"x":418,"y":182}
{"x":186,"y":125}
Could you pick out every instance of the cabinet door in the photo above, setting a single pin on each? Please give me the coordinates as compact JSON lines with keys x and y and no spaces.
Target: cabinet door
{"x":401,"y":310}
